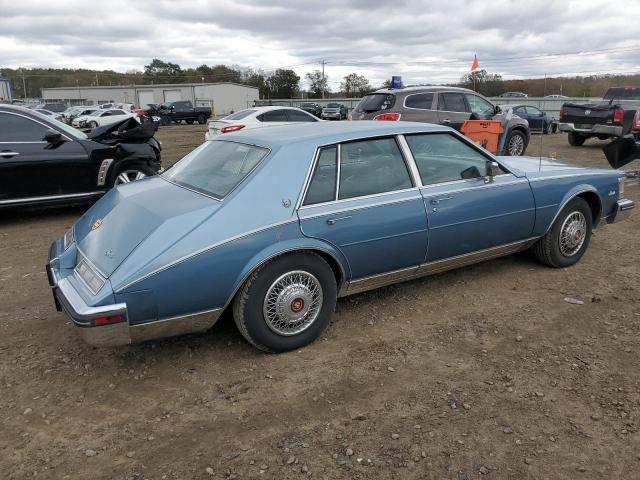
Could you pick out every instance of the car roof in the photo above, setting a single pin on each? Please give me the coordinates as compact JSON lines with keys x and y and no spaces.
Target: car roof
{"x":323,"y":133}
{"x":424,"y":88}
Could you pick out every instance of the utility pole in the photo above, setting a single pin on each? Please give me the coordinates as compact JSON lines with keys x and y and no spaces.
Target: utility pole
{"x":323,"y":79}
{"x":24,"y":85}
{"x":97,"y":83}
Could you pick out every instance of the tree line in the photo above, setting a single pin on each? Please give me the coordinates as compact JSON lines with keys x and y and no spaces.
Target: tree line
{"x":285,"y":83}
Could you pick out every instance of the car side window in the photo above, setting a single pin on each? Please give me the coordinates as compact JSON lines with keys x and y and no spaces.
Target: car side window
{"x":15,"y":128}
{"x":533,"y":111}
{"x":273,"y":116}
{"x":296,"y":116}
{"x":371,"y":166}
{"x":479,"y":105}
{"x":442,"y":157}
{"x":117,"y":112}
{"x":322,"y":187}
{"x":423,"y":101}
{"x":452,"y":102}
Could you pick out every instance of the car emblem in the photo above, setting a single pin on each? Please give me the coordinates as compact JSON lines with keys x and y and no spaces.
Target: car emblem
{"x":97,"y":224}
{"x":587,"y":112}
{"x":108,"y":254}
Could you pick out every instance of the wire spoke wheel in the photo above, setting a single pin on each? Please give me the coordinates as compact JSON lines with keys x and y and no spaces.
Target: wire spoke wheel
{"x":129,"y":176}
{"x":573,"y":233}
{"x":292,"y":303}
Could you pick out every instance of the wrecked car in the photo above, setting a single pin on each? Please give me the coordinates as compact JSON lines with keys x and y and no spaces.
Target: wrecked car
{"x":46,"y":162}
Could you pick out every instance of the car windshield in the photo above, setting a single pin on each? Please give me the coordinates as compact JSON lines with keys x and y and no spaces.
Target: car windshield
{"x":240,"y":115}
{"x":375,"y":102}
{"x":68,"y":129}
{"x":215,"y":168}
{"x":622,"y":93}
{"x":333,"y":105}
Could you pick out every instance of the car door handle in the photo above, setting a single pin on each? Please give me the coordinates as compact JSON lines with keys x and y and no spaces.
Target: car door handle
{"x":7,"y":153}
{"x":437,"y":200}
{"x":332,"y":221}
{"x":446,"y":120}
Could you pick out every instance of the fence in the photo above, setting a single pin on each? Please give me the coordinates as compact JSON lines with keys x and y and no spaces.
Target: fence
{"x":549,"y":105}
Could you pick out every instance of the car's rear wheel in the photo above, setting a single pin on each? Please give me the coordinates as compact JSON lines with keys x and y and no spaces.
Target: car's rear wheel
{"x":516,"y":143}
{"x":131,"y":173}
{"x":165,"y":120}
{"x":286,"y":303}
{"x":575,"y":139}
{"x":568,"y":239}
{"x":201,"y":119}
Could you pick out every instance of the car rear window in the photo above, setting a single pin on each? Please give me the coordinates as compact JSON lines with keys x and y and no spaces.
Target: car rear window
{"x":622,"y":93}
{"x":216,"y":168}
{"x":376,"y":102}
{"x":240,"y":115}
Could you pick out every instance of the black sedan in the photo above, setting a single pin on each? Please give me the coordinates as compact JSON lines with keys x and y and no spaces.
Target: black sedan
{"x":313,"y":108}
{"x":46,"y":162}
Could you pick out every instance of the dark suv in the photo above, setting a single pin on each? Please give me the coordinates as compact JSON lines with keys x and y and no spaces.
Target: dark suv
{"x":445,"y":106}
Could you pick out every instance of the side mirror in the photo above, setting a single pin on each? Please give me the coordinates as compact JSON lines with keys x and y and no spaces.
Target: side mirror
{"x":52,"y":136}
{"x":493,"y":169}
{"x":497,"y":110}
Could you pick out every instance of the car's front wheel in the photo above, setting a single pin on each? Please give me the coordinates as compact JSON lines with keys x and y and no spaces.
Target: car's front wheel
{"x":132,"y":172}
{"x":516,"y":143}
{"x":569,"y":236}
{"x":287,"y":303}
{"x":201,"y":119}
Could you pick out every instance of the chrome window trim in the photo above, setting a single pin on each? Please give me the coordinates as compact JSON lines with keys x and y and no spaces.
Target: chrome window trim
{"x":365,"y":197}
{"x":51,"y":197}
{"x":339,"y":163}
{"x":204,"y":250}
{"x":409,"y":160}
{"x":473,"y":187}
{"x":48,"y":127}
{"x":353,"y":208}
{"x":434,"y":98}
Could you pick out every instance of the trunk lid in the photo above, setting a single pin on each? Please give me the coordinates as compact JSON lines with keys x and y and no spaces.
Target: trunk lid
{"x":587,"y":114}
{"x":127,"y":215}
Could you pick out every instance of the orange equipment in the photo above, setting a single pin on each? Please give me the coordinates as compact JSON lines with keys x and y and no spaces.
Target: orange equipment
{"x":484,"y":132}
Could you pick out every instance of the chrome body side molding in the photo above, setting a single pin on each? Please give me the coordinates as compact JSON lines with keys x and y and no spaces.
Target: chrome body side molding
{"x":432,"y":268}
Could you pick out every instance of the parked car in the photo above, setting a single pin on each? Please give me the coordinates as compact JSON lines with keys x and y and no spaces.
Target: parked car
{"x":275,"y":224}
{"x":100,"y":118}
{"x":313,"y":108}
{"x":55,"y":107}
{"x":448,"y":106}
{"x":57,"y":116}
{"x":176,"y":112}
{"x":257,"y":117}
{"x":555,"y":97}
{"x":47,"y":162}
{"x":514,"y":95}
{"x":79,"y":112}
{"x":610,"y":118}
{"x":105,"y":106}
{"x":538,"y":120}
{"x":334,"y":111}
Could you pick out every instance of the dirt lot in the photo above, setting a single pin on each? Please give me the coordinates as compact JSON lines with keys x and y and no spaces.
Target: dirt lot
{"x":484,"y":372}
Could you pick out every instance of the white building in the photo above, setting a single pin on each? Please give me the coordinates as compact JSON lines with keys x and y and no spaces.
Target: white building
{"x":221,"y":97}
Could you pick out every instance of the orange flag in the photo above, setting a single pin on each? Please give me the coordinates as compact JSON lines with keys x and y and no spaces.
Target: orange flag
{"x":475,"y":65}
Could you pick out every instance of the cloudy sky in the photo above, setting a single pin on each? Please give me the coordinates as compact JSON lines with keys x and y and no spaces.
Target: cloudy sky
{"x":424,"y":41}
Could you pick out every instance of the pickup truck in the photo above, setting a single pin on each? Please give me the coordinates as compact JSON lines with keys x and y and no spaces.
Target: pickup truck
{"x":610,"y":118}
{"x":181,"y":110}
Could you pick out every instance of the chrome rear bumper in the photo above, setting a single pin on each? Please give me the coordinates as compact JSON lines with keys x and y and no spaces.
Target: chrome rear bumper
{"x":623,"y":209}
{"x":597,"y":129}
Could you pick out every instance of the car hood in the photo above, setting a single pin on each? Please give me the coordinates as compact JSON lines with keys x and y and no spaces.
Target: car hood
{"x":129,"y":214}
{"x":528,"y":165}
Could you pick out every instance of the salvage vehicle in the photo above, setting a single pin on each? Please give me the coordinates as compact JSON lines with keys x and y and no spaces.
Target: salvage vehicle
{"x":275,"y":224}
{"x":47,"y":113}
{"x":537,"y":119}
{"x":257,"y":117}
{"x":448,"y":106}
{"x":313,"y":108}
{"x":334,"y":111}
{"x":47,"y":162}
{"x":610,"y":118}
{"x":100,"y":118}
{"x":181,"y":110}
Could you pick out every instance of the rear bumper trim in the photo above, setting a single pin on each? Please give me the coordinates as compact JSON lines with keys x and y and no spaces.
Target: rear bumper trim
{"x":597,"y":129}
{"x":623,"y":209}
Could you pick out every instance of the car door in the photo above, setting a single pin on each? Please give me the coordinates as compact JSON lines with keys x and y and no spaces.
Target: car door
{"x":466,"y":210}
{"x":363,"y":200}
{"x":33,"y":168}
{"x":535,"y":117}
{"x":453,"y":109}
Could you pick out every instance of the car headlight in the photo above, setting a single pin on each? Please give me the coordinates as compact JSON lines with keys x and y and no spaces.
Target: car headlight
{"x":68,"y":239}
{"x":89,"y":276}
{"x":621,"y":181}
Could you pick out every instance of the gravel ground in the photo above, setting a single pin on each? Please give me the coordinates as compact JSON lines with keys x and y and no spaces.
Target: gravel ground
{"x":483,"y":372}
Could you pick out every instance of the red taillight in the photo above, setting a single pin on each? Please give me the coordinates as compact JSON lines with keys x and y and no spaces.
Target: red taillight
{"x":387,"y":117}
{"x":562,"y":112}
{"x":107,"y":320}
{"x":349,"y":117}
{"x":231,"y":128}
{"x":618,"y":115}
{"x":636,"y":120}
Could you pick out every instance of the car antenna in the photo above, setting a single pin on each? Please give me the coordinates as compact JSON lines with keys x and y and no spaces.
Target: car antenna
{"x":544,"y":102}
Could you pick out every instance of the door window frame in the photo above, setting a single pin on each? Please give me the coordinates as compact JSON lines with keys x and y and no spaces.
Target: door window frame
{"x":48,"y":127}
{"x":464,"y":98}
{"x":434,"y":98}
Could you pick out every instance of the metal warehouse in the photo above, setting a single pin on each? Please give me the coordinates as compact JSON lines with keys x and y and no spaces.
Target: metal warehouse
{"x":222,"y":97}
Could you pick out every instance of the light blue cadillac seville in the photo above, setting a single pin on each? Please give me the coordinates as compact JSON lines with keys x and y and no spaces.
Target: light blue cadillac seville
{"x":276,"y":223}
